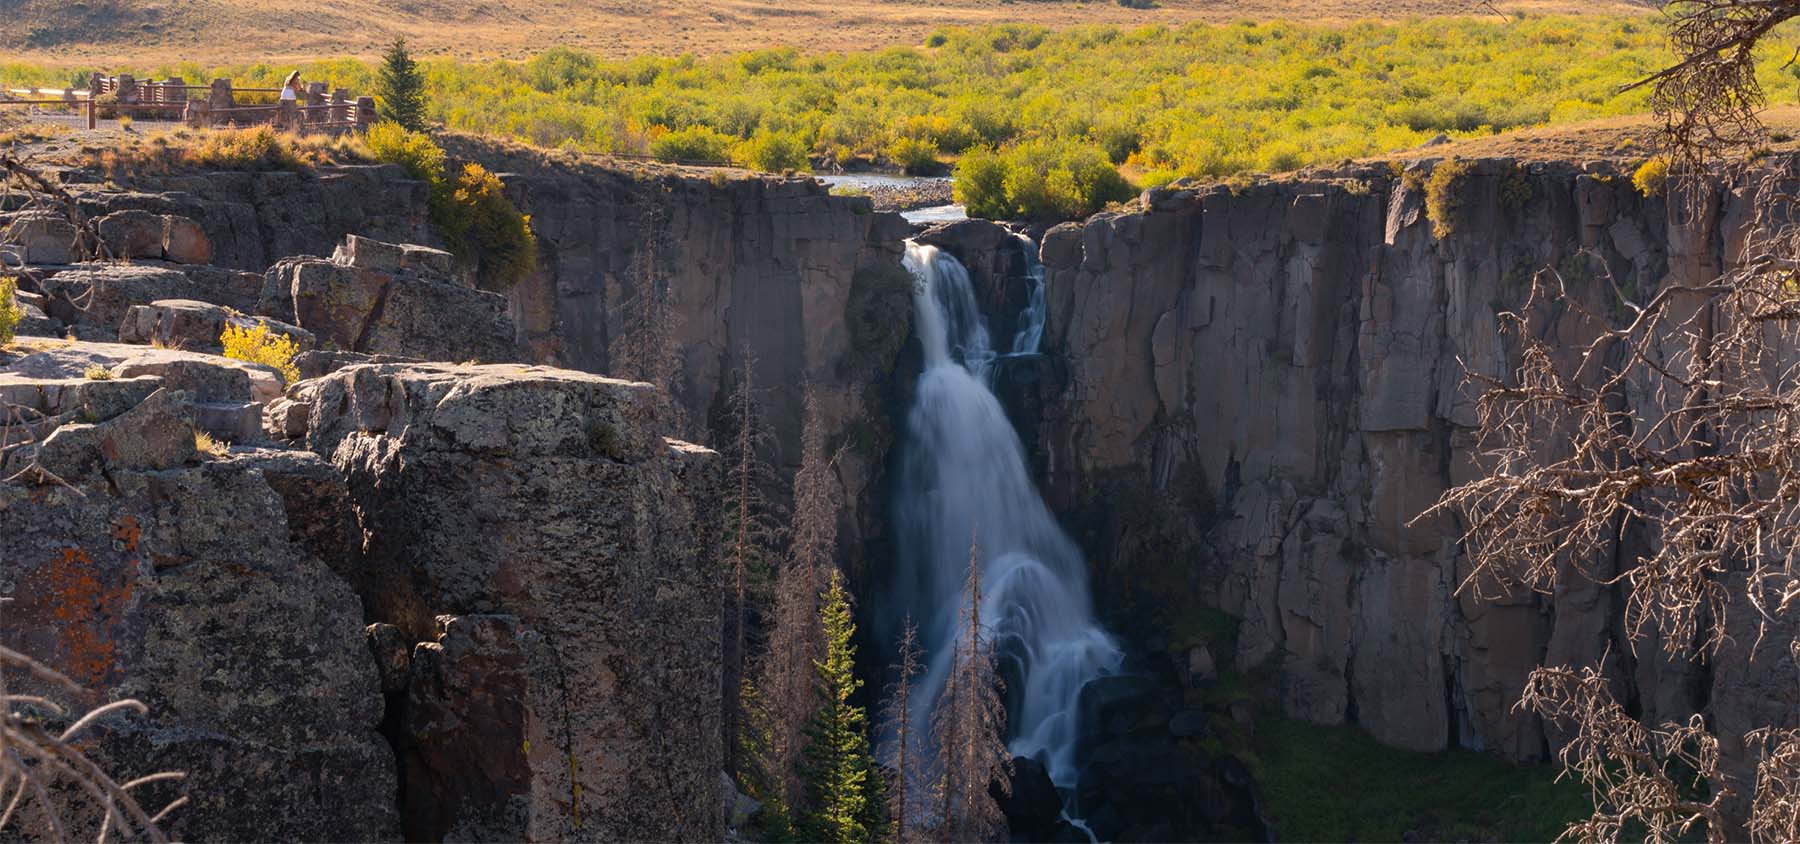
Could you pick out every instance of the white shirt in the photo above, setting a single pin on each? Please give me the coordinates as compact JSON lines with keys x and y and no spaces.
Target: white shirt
{"x":287,"y":93}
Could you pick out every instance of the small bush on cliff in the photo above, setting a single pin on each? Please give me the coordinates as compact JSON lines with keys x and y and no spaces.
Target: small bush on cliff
{"x":693,"y":144}
{"x":478,"y":222}
{"x":483,"y":226}
{"x":1651,"y":177}
{"x":260,"y":345}
{"x":10,"y":312}
{"x":392,"y":143}
{"x":1443,"y":196}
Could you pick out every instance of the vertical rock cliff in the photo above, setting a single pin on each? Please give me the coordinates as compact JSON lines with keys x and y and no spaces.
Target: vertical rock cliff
{"x":1264,"y":390}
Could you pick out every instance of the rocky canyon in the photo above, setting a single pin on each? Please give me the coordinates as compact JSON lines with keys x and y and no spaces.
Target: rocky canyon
{"x":459,"y":579}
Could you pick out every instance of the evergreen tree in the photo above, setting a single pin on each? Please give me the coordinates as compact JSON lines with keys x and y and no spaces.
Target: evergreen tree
{"x":838,"y":765}
{"x":903,"y":752}
{"x":970,"y":729}
{"x":752,"y":529}
{"x":400,"y":88}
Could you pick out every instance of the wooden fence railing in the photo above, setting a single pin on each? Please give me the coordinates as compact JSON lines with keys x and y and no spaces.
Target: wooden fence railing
{"x":213,"y":104}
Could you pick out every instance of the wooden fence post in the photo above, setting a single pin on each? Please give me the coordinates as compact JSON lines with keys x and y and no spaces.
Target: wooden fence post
{"x":218,"y":101}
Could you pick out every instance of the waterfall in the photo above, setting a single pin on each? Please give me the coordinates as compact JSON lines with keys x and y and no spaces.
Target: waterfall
{"x":964,"y":474}
{"x":1031,"y":320}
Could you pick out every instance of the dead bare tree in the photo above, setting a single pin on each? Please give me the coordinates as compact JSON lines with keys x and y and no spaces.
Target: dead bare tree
{"x":646,"y":348}
{"x":902,"y":749}
{"x":1679,"y":422}
{"x":753,"y":530}
{"x":36,"y":762}
{"x":969,"y":728}
{"x":796,"y":640}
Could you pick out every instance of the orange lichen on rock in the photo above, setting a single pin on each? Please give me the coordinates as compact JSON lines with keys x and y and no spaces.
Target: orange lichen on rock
{"x":85,"y":607}
{"x":126,"y":532}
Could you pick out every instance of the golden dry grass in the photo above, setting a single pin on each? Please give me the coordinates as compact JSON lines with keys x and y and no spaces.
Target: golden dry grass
{"x":102,"y":32}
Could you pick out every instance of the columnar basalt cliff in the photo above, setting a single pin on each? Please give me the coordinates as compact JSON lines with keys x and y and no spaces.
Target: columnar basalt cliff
{"x":1264,"y":390}
{"x":805,"y":280}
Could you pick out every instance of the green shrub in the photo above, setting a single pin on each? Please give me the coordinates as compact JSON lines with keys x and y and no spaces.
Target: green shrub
{"x":1443,"y":200}
{"x":696,"y":144}
{"x":10,"y":312}
{"x":391,"y":143}
{"x":980,"y":184}
{"x":483,"y":226}
{"x":1652,"y":176}
{"x":1041,"y":179}
{"x":917,"y":156}
{"x":773,"y":152}
{"x":96,"y":372}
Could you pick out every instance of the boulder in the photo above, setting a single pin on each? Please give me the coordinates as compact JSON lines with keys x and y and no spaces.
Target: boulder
{"x":208,"y":377}
{"x":390,"y":299}
{"x":184,"y":242}
{"x":156,"y":434}
{"x":39,"y":236}
{"x":137,"y":233}
{"x":370,"y":254}
{"x":189,"y":324}
{"x":1031,"y":805}
{"x":132,"y":233}
{"x":100,"y":294}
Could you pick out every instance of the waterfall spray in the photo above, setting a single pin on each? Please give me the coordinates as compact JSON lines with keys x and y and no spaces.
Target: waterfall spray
{"x":963,"y":470}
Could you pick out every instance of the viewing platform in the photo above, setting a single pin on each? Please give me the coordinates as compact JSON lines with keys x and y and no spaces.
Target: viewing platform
{"x":215,"y":104}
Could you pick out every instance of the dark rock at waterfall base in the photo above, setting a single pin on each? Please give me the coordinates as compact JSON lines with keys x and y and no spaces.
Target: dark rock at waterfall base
{"x":1033,"y":809}
{"x":1144,"y":775}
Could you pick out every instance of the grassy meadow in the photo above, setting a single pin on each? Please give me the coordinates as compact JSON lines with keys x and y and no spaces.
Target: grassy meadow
{"x":1158,"y":102}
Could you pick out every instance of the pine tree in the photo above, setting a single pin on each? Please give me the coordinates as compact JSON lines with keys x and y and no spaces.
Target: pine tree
{"x":752,"y":530}
{"x":970,"y":729}
{"x":901,"y":782}
{"x":837,"y":753}
{"x":400,"y":89}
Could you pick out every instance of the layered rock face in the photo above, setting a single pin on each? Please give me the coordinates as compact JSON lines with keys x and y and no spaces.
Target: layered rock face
{"x":555,"y":555}
{"x":804,"y":280}
{"x":1264,"y":392}
{"x":157,"y":573}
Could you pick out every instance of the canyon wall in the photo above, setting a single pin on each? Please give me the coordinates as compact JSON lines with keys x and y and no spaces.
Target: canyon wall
{"x":809,"y":283}
{"x":1258,"y":391}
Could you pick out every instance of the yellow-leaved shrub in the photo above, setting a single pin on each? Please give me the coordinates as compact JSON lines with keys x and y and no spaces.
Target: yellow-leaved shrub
{"x":260,"y":345}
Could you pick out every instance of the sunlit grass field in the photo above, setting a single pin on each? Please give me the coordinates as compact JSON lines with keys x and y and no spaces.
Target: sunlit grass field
{"x":1196,"y":100}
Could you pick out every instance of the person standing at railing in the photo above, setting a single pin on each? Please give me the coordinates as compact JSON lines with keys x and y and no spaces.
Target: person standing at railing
{"x":287,"y":114}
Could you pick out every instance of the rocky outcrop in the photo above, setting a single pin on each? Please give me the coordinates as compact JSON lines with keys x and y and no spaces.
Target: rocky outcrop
{"x":390,"y":299}
{"x":553,"y":553}
{"x":156,"y":572}
{"x":190,"y":324}
{"x":1263,"y":393}
{"x":809,"y":283}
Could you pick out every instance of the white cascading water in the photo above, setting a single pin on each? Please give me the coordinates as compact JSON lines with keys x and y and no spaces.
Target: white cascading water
{"x":964,"y":477}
